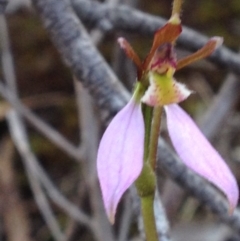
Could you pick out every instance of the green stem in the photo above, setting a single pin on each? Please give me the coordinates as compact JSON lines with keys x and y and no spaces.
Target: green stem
{"x":146,"y":182}
{"x":148,"y":218}
{"x":177,"y":5}
{"x":155,"y":129}
{"x":147,"y":112}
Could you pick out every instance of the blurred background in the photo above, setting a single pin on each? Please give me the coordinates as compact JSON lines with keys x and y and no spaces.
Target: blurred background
{"x":45,"y":85}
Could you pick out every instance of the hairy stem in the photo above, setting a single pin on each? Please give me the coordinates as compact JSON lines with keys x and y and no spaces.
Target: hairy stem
{"x":146,"y":182}
{"x":155,"y":129}
{"x":148,"y":218}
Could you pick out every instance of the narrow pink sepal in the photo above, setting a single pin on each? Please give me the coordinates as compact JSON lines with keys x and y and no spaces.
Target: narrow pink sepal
{"x":120,"y":155}
{"x":198,"y":154}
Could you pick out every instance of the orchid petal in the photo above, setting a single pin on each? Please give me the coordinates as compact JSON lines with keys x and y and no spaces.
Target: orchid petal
{"x":130,"y":52}
{"x":198,"y":154}
{"x":120,"y":155}
{"x":213,"y":44}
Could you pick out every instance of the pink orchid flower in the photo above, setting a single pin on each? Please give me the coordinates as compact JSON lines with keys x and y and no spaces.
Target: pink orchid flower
{"x":120,"y":154}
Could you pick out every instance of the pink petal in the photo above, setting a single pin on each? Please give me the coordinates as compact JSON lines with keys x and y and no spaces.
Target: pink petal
{"x":198,"y":154}
{"x":120,"y":155}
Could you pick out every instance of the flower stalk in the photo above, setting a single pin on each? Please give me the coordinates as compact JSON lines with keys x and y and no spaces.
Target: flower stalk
{"x":146,"y":183}
{"x":148,"y":218}
{"x":155,"y":131}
